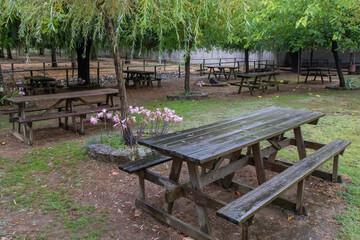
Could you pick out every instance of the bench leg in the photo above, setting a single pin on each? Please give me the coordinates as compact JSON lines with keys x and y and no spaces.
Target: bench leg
{"x":31,"y":134}
{"x":300,"y":197}
{"x":142,"y":194}
{"x":226,"y":182}
{"x":174,"y":175}
{"x":159,"y":83}
{"x":203,"y":217}
{"x":82,"y":132}
{"x":335,"y":169}
{"x":245,"y":233}
{"x":74,"y":124}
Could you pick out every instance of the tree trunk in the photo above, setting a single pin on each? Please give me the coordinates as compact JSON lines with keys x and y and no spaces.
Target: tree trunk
{"x":93,"y":53}
{"x":187,"y":68}
{"x":299,"y":66}
{"x":2,"y":55}
{"x":124,"y":108}
{"x":127,"y":57}
{"x":8,"y":50}
{"x":83,"y":60}
{"x":334,"y":51}
{"x":2,"y":86}
{"x":53,"y":57}
{"x":41,"y":51}
{"x":294,"y":61}
{"x":311,"y":57}
{"x":247,"y":69}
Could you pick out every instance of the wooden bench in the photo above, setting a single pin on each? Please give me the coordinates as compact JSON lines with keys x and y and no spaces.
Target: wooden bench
{"x":142,"y":164}
{"x":81,"y":113}
{"x":242,"y":210}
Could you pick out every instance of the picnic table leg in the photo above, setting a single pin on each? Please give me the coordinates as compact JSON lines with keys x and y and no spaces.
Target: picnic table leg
{"x":322,"y":78}
{"x":241,"y":85}
{"x":329,"y":72}
{"x":307,"y":75}
{"x":249,"y":86}
{"x":245,"y":233}
{"x":276,"y":82}
{"x":22,"y":116}
{"x":31,"y":134}
{"x":262,"y":84}
{"x":174,"y":175}
{"x":226,"y":182}
{"x":335,"y":169}
{"x":301,"y":185}
{"x":203,"y":217}
{"x":259,"y":164}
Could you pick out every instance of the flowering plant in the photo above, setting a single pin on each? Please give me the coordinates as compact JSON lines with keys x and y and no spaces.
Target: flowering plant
{"x":17,"y":93}
{"x":157,"y":122}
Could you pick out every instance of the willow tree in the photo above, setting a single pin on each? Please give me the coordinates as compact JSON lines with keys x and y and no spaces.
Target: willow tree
{"x":43,"y":16}
{"x":187,"y":25}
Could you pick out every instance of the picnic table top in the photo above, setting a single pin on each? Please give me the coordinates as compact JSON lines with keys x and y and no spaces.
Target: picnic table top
{"x":65,"y":95}
{"x":39,"y":78}
{"x":317,"y":68}
{"x":139,"y":71}
{"x":257,"y":74}
{"x":218,"y":139}
{"x":219,"y":66}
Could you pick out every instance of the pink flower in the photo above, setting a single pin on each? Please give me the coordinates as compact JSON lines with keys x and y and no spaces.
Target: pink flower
{"x":177,"y":118}
{"x":104,"y":110}
{"x":166,"y":119}
{"x":133,"y":119}
{"x":109,"y":115}
{"x":100,"y":115}
{"x":21,"y":93}
{"x":116,"y":118}
{"x":93,"y":120}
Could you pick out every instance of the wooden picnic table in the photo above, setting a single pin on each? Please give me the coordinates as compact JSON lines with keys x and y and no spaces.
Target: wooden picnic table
{"x":318,"y":71}
{"x":221,"y":71}
{"x":40,"y":83}
{"x":70,"y":109}
{"x":140,"y":77}
{"x":207,"y":148}
{"x":257,"y":82}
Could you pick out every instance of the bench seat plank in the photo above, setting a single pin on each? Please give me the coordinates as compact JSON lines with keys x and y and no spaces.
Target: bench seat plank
{"x":149,"y":161}
{"x":35,"y":118}
{"x":246,"y":206}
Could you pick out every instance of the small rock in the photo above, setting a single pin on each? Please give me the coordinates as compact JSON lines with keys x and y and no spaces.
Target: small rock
{"x":137,"y":213}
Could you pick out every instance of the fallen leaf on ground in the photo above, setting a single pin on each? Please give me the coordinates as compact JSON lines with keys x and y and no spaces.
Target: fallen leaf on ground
{"x":137,"y":213}
{"x":3,"y":143}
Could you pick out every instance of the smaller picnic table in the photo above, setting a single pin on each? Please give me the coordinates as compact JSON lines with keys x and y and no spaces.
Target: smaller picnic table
{"x":318,"y":71}
{"x":40,"y":83}
{"x":70,"y":110}
{"x":222,"y":71}
{"x":140,"y":77}
{"x":257,"y":82}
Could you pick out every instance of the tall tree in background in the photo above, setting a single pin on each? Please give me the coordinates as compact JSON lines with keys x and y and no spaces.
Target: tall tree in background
{"x":187,"y":25}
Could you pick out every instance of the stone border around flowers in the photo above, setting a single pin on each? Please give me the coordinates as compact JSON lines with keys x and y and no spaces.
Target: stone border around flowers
{"x":191,"y":96}
{"x":336,"y":87}
{"x":105,"y":153}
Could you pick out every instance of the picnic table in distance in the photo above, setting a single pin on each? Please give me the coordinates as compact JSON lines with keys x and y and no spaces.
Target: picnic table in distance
{"x":319,"y":71}
{"x":140,"y":77}
{"x":222,"y":71}
{"x":37,"y":83}
{"x":207,"y":147}
{"x":258,"y":82}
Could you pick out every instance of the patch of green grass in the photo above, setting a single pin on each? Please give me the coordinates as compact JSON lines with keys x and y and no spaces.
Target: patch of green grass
{"x":4,"y":122}
{"x":27,"y":182}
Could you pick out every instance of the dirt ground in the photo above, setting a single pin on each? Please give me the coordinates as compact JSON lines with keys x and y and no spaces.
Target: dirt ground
{"x":105,"y":187}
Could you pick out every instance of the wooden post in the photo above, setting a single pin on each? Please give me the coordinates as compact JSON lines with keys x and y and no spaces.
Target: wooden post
{"x":44,"y":68}
{"x":31,"y":73}
{"x":98,"y":73}
{"x":67,"y":77}
{"x":179,"y":71}
{"x":144,"y":64}
{"x":164,"y":64}
{"x":204,"y":62}
{"x":220,"y":62}
{"x":155,"y":71}
{"x":259,"y":164}
{"x":12,"y":71}
{"x":201,"y":71}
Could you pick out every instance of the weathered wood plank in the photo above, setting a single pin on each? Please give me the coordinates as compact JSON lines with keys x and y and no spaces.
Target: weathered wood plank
{"x":246,"y":206}
{"x":172,"y":221}
{"x":147,"y":162}
{"x":205,"y":150}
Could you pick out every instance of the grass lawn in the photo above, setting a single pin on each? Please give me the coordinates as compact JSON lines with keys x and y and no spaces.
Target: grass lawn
{"x":24,"y":182}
